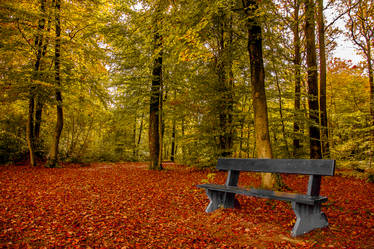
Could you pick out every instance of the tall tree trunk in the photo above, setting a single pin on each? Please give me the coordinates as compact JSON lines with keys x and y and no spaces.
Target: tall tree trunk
{"x":225,"y":83}
{"x":371,"y":86}
{"x":322,"y":80}
{"x":31,"y":133}
{"x":155,"y":117}
{"x":39,"y":102}
{"x":371,"y":80}
{"x":53,"y":154}
{"x":297,"y":65}
{"x":258,"y":87}
{"x":311,"y":60}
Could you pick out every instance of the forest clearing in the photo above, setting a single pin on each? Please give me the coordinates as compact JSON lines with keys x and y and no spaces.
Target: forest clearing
{"x":125,"y":205}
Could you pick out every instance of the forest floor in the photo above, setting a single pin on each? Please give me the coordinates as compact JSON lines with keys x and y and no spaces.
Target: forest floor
{"x":124,"y":205}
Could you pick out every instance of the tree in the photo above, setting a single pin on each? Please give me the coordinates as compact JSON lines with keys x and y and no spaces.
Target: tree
{"x":311,"y":60}
{"x":223,"y":21}
{"x":297,"y":73}
{"x":258,"y":85}
{"x":322,"y":80}
{"x":155,"y":111}
{"x":33,"y":121}
{"x":53,"y":154}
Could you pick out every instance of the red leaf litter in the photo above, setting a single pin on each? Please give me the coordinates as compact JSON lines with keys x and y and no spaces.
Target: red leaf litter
{"x":125,"y":205}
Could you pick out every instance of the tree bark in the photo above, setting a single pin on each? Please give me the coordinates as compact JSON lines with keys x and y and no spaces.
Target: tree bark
{"x":371,"y":86}
{"x":53,"y":154}
{"x":134,"y":137}
{"x":30,"y":129}
{"x":258,"y":87}
{"x":155,"y":117}
{"x":322,"y":80}
{"x":39,"y":102}
{"x":225,"y":83}
{"x":371,"y":81}
{"x":183,"y":144}
{"x":31,"y":133}
{"x":297,"y":66}
{"x":139,"y":135}
{"x":311,"y":59}
{"x":173,"y":135}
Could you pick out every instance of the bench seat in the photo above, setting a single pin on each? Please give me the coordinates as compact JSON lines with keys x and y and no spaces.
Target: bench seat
{"x":276,"y":195}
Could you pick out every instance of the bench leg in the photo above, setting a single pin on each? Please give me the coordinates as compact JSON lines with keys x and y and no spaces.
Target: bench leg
{"x":220,"y":199}
{"x":308,"y":218}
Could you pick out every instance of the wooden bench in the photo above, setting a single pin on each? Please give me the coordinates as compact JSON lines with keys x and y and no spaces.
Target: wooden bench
{"x":307,"y":207}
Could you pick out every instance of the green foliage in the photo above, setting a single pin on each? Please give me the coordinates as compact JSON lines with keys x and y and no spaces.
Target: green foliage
{"x":349,"y":116}
{"x":106,"y":64}
{"x":13,"y":146}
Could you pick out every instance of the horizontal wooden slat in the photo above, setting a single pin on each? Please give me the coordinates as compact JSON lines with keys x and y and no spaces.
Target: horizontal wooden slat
{"x":291,"y":166}
{"x":276,"y":195}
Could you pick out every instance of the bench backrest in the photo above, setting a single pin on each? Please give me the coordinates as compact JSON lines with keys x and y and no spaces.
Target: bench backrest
{"x":319,"y":167}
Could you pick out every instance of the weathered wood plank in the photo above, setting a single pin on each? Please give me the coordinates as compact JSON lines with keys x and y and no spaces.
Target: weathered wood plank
{"x":276,"y":195}
{"x":290,"y":166}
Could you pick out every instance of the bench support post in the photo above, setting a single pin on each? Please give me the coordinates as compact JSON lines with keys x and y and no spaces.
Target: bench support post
{"x":308,"y":218}
{"x":220,"y":199}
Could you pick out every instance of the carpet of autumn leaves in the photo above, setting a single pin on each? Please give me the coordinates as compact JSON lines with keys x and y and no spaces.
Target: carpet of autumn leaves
{"x":124,"y":205}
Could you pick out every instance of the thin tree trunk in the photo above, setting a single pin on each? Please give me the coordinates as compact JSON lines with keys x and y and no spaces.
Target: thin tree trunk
{"x":134,"y":137}
{"x":297,"y":64}
{"x":139,"y":135}
{"x":230,"y":94}
{"x":183,"y":145}
{"x":155,"y":118}
{"x":53,"y":154}
{"x":38,"y":118}
{"x":258,"y":87}
{"x":242,"y":129}
{"x":30,"y":129}
{"x":311,"y":59}
{"x":371,"y":80}
{"x":225,"y":81}
{"x":173,"y":135}
{"x":371,"y":85}
{"x":322,"y":80}
{"x":284,"y":135}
